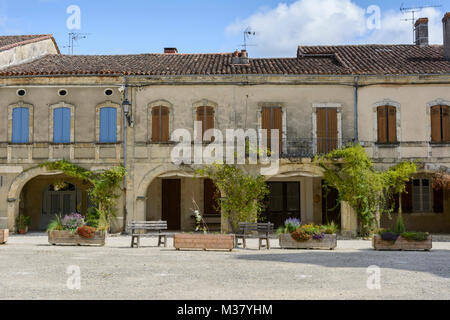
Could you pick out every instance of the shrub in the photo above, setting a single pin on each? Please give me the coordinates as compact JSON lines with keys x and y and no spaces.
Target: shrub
{"x":23,"y":222}
{"x":330,"y":228}
{"x":93,"y":217}
{"x":415,"y":236}
{"x":400,"y":226}
{"x":55,"y":225}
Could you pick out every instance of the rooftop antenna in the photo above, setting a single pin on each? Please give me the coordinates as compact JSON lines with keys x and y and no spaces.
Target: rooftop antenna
{"x":413,"y":11}
{"x":73,"y":38}
{"x":247,"y":34}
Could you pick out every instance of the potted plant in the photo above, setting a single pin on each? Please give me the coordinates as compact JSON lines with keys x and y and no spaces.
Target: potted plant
{"x":293,"y":235}
{"x":72,"y":229}
{"x":23,"y":223}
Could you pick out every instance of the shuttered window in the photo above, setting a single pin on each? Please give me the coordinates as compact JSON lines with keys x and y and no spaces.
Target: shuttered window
{"x":327,"y":130}
{"x":205,"y":115}
{"x":160,"y":124}
{"x":440,"y":124}
{"x":61,"y":125}
{"x":421,"y":195}
{"x":387,"y":124}
{"x":108,"y":125}
{"x":272,"y":119}
{"x":20,"y":125}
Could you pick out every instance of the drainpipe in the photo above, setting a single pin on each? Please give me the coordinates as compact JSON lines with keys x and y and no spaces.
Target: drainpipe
{"x":125,"y":127}
{"x":355,"y":90}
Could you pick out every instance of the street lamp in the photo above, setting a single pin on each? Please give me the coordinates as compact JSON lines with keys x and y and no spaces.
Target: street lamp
{"x":126,"y":105}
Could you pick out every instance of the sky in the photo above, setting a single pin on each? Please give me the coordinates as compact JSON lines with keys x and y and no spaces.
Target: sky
{"x":210,"y":26}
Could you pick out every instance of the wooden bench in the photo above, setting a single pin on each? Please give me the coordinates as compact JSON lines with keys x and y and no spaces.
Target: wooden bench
{"x":138,"y":226}
{"x":259,"y":231}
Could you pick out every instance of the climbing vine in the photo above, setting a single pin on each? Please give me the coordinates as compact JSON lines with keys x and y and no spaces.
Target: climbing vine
{"x":351,"y":172}
{"x":104,"y":185}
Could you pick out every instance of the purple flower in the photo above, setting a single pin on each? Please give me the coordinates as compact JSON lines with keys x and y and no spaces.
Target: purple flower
{"x":293,"y":221}
{"x":72,"y":221}
{"x":319,"y":236}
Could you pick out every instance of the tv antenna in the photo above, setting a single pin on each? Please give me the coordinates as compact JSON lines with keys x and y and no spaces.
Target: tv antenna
{"x":73,"y":38}
{"x":248,"y":33}
{"x":413,"y":11}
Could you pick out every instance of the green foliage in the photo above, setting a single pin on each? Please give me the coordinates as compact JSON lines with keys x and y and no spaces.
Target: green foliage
{"x":415,"y":236}
{"x":55,"y":225}
{"x":351,"y":172}
{"x":103,"y":190}
{"x":23,"y":222}
{"x":243,"y":193}
{"x":93,"y":216}
{"x":400,"y":225}
{"x":331,"y":228}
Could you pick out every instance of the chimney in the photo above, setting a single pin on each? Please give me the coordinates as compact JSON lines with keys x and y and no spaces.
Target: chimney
{"x":421,"y":30}
{"x":446,"y":22}
{"x":240,"y":57}
{"x":170,"y":50}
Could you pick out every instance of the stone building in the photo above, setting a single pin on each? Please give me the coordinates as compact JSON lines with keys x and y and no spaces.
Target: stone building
{"x":393,"y":99}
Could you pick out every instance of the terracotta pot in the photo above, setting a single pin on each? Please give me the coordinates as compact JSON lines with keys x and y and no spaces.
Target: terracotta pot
{"x":23,"y":231}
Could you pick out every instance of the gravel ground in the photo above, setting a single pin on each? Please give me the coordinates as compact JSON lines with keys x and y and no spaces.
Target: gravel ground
{"x":32,"y":269}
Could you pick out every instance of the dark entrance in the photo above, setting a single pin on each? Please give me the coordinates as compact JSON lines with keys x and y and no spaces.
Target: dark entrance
{"x":171,"y":198}
{"x":212,"y":214}
{"x":331,"y":209}
{"x":283,"y":202}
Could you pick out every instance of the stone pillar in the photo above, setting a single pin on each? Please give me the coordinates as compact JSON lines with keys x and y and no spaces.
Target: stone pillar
{"x":349,"y":220}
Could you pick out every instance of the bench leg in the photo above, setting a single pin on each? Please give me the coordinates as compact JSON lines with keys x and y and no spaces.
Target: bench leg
{"x":268,"y":243}
{"x":260,"y":243}
{"x":165,"y":241}
{"x":133,"y":242}
{"x":244,"y":241}
{"x":159,"y":241}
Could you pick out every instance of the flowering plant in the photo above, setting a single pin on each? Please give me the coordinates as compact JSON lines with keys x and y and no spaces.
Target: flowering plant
{"x":86,"y":232}
{"x":301,"y":235}
{"x":72,"y":222}
{"x":290,"y":225}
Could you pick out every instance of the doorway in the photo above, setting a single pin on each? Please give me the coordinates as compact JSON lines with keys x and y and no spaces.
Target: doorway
{"x":283,"y":202}
{"x":171,"y":199}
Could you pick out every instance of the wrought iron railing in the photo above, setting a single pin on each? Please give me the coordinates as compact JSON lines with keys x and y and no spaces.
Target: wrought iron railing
{"x":308,"y":148}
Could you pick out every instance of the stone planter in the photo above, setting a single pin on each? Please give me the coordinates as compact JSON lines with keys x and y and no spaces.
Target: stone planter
{"x":203,"y":241}
{"x":401,"y":244}
{"x":4,"y":236}
{"x":328,"y":243}
{"x":69,"y":238}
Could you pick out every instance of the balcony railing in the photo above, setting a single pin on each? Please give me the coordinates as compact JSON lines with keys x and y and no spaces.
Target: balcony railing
{"x":308,"y":148}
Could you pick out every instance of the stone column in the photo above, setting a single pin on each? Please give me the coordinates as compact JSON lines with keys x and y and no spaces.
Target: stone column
{"x":349,"y":220}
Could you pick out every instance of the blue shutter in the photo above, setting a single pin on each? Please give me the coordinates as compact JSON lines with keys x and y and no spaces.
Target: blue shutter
{"x":20,"y":126}
{"x":61,"y":125}
{"x":108,"y":125}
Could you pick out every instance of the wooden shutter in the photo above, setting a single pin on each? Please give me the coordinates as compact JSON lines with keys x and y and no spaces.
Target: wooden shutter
{"x":407,"y":203}
{"x":20,"y":125}
{"x":108,"y":125}
{"x":438,"y":200}
{"x":266,"y":124}
{"x":209,"y":120}
{"x":61,"y":125}
{"x":165,"y":124}
{"x":436,"y":124}
{"x":156,"y":125}
{"x":277,"y":124}
{"x":392,"y":124}
{"x":332,"y":130}
{"x":445,"y":123}
{"x":382,"y":124}
{"x":327,"y":130}
{"x":321,"y":130}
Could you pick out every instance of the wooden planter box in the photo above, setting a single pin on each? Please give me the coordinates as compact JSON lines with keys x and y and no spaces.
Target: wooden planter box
{"x":401,"y":244}
{"x":4,"y":236}
{"x":69,"y":238}
{"x":203,"y":241}
{"x":328,"y":243}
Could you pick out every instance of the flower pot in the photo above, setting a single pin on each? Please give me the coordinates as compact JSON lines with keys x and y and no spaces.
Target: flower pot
{"x":329,"y":242}
{"x":69,"y":238}
{"x":203,"y":241}
{"x":4,"y":236}
{"x":401,"y":244}
{"x":23,"y":230}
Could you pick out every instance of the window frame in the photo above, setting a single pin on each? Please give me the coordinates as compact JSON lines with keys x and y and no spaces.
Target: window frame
{"x":30,"y":121}
{"x":108,"y":104}
{"x":150,"y":106}
{"x":72,"y":122}
{"x":441,"y":125}
{"x":421,"y":195}
{"x":398,"y":109}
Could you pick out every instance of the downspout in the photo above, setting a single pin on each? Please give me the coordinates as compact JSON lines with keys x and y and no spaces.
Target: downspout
{"x":355,"y":91}
{"x":125,"y":127}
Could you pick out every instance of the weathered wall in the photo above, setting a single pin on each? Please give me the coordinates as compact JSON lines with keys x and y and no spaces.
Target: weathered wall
{"x":27,"y":53}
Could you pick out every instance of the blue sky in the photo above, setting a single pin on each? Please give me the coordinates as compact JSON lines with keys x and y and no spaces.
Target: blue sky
{"x":140,"y":26}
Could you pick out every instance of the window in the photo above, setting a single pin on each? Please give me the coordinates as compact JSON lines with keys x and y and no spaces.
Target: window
{"x":283,"y":202}
{"x":272,"y":119}
{"x":205,"y":115}
{"x":440,"y":124}
{"x":387,"y":124}
{"x":327,"y":130}
{"x":20,"y":125}
{"x":420,"y":196}
{"x":160,"y":124}
{"x":61,"y":125}
{"x":108,"y":125}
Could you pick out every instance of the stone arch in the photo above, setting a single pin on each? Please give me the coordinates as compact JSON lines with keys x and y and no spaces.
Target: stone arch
{"x":16,"y":188}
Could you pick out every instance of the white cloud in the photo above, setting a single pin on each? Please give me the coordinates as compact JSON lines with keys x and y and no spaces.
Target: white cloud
{"x":326,"y":22}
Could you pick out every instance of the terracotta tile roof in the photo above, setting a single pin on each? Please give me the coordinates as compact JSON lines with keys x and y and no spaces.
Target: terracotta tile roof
{"x":323,"y":60}
{"x":9,"y":42}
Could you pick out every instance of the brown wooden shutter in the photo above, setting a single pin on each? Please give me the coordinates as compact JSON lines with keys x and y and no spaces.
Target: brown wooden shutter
{"x":382,"y":124}
{"x":266,"y":125}
{"x":155,"y":125}
{"x":277,"y":124}
{"x":446,"y":123}
{"x":165,"y":124}
{"x":332,"y":135}
{"x":206,"y":116}
{"x":438,"y":200}
{"x":407,"y":203}
{"x":392,"y":124}
{"x":321,"y":130}
{"x":436,"y":124}
{"x":209,"y":120}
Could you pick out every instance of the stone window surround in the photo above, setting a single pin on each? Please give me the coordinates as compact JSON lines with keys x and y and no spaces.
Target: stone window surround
{"x":108,"y":104}
{"x":283,"y":107}
{"x":62,"y":104}
{"x":203,"y":103}
{"x":150,"y":106}
{"x":437,"y":102}
{"x":339,"y":110}
{"x":392,"y":103}
{"x":21,"y":104}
